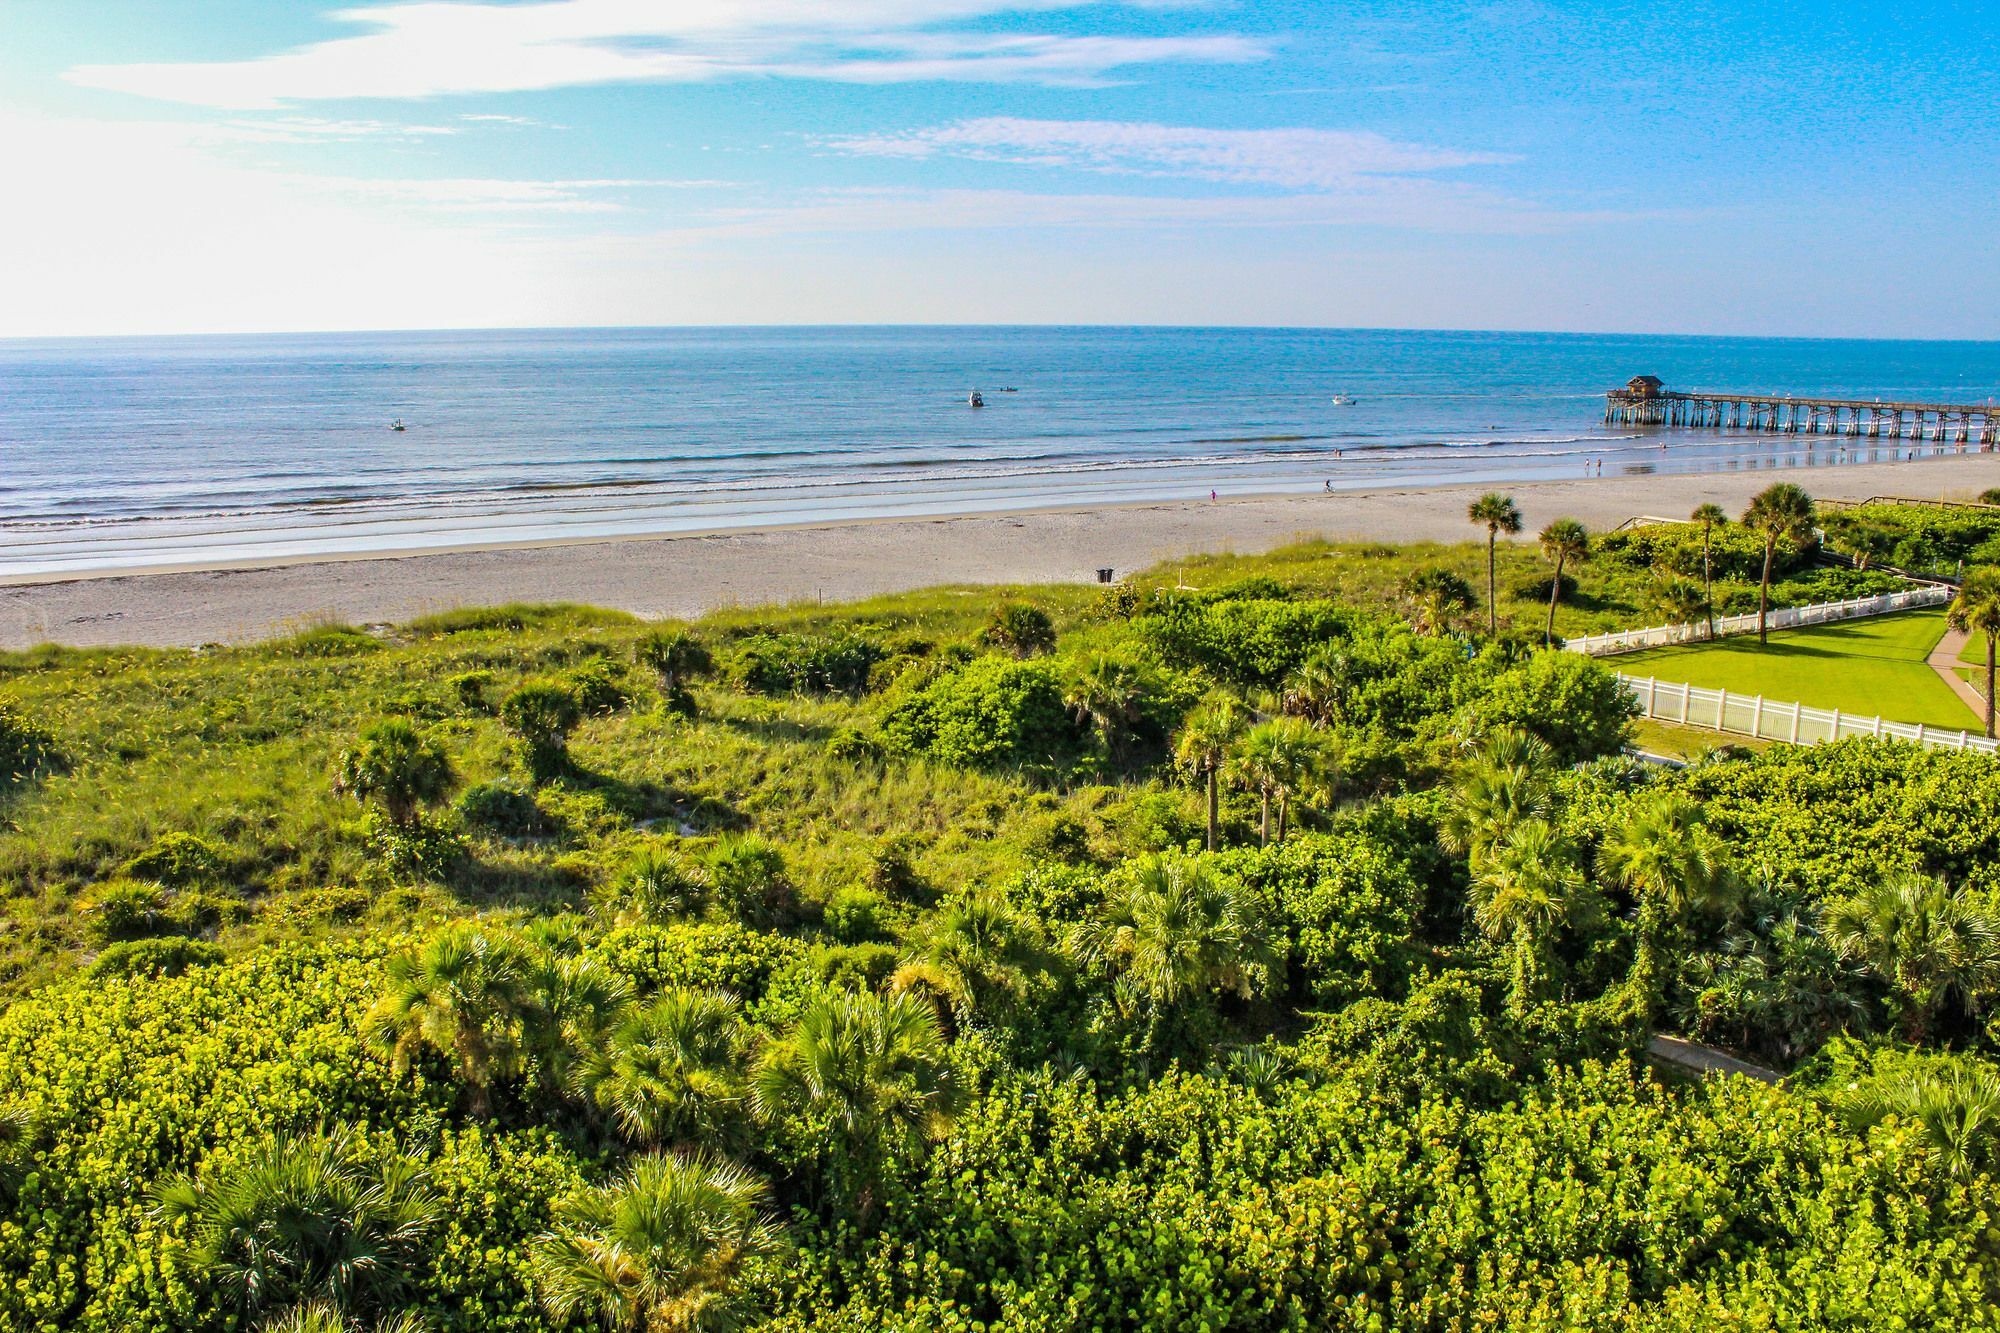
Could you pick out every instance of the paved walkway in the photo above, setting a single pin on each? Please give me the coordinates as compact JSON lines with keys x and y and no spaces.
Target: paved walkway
{"x":1701,"y":1059}
{"x":1944,"y":661}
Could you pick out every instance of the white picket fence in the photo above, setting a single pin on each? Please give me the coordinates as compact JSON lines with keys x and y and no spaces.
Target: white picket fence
{"x":1754,"y":715}
{"x":1790,"y":617}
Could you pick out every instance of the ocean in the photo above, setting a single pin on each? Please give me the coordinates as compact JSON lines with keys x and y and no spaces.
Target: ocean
{"x":137,"y":453}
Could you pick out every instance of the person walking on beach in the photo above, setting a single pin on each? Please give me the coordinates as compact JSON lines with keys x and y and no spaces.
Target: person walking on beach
{"x":1211,"y":494}
{"x":1329,"y":485}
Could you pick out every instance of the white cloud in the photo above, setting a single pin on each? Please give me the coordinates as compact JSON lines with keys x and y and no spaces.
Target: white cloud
{"x":309,"y":129}
{"x":1302,"y":159}
{"x":438,"y":47}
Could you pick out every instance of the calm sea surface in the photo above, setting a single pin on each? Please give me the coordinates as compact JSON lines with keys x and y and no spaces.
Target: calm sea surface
{"x":137,"y":452}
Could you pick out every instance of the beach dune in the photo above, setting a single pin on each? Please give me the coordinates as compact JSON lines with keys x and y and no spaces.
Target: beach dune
{"x":684,"y":575}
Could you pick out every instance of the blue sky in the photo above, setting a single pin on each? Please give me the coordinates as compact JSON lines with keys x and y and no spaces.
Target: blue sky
{"x":211,"y":165}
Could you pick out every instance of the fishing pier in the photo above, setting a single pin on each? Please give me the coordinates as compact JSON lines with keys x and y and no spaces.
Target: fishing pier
{"x":1644,"y":401}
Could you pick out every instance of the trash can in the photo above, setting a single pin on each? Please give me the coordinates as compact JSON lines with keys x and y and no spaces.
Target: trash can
{"x":1104,"y":576}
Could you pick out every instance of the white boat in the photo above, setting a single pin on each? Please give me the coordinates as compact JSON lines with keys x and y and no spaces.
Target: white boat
{"x":397,"y":424}
{"x":1342,"y":400}
{"x":975,"y":399}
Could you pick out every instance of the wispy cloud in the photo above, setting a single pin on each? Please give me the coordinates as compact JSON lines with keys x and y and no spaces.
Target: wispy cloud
{"x":1299,"y":159}
{"x":307,"y":129}
{"x":459,"y":194}
{"x":441,"y":47}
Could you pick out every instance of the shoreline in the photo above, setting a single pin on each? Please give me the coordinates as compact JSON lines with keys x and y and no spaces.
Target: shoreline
{"x":688,"y":573}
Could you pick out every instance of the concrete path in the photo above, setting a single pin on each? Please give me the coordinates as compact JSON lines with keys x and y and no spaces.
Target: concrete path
{"x":1944,"y":661}
{"x":1706,"y":1059}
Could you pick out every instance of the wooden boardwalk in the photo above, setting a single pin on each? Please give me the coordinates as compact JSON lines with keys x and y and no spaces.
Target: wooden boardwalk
{"x":1646,"y":402}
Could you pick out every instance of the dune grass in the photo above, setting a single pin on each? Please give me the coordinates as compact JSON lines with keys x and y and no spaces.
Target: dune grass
{"x":1872,"y":667}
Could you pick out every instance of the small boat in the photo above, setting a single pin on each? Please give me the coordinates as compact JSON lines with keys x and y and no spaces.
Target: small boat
{"x":397,"y":424}
{"x":1342,"y":400}
{"x":975,"y":399}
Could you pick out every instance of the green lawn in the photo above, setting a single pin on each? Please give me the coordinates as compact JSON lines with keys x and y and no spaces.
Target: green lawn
{"x":1867,"y":667}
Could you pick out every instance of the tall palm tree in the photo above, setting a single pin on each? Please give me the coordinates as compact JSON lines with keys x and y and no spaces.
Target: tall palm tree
{"x":873,"y":1074}
{"x":1283,"y":759}
{"x":1498,"y":513}
{"x":672,"y":1071}
{"x":1438,"y":599}
{"x":305,"y":1219}
{"x":399,"y":766}
{"x":462,"y":996}
{"x":1172,"y":931}
{"x":1779,"y":513}
{"x":1523,"y":891}
{"x":1105,"y":695}
{"x":1927,"y":940}
{"x":1711,"y":517}
{"x":1563,"y":541}
{"x":1976,"y":610}
{"x":1672,"y":864}
{"x":660,"y":1249}
{"x":1509,"y":782}
{"x":1202,"y":748}
{"x":978,"y":950}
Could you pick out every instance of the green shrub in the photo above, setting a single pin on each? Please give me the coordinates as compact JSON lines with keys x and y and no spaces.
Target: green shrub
{"x":153,"y":958}
{"x":1020,"y":628}
{"x":750,"y":881}
{"x":1572,"y":702}
{"x":854,"y":916}
{"x":806,"y":663}
{"x":504,"y":808}
{"x":993,"y":713}
{"x":469,"y":688}
{"x":180,"y":859}
{"x":515,"y":617}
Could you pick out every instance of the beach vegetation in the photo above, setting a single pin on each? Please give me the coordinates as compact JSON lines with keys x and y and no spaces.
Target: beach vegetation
{"x":1257,"y":951}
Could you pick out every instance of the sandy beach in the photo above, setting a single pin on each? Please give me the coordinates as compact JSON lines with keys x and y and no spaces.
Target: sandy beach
{"x":684,"y":575}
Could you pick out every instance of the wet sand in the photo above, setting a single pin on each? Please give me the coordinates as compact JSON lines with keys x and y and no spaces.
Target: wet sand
{"x":684,"y":575}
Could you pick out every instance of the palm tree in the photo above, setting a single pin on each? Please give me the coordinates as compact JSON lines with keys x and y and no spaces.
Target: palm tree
{"x":661,"y":1249}
{"x":541,"y":714}
{"x":1780,"y":512}
{"x":1105,"y":695}
{"x":1438,"y":599}
{"x":1711,"y":517}
{"x":572,"y":1003}
{"x":1203,"y":747}
{"x":676,"y":654}
{"x":659,"y":884}
{"x":1681,"y":601}
{"x":873,"y":1074}
{"x":1283,"y":759}
{"x":1928,"y":941}
{"x":1665,"y":856}
{"x":1957,"y":1107}
{"x":672,"y":1071}
{"x":325,"y":1317}
{"x":1172,"y":931}
{"x":1563,"y":541}
{"x":397,"y":764}
{"x":1320,"y":686}
{"x":1976,"y":610}
{"x":977,"y":951}
{"x":1499,"y":514}
{"x":1524,"y":889}
{"x":1509,"y":782}
{"x":462,"y":996}
{"x":312,"y":1219}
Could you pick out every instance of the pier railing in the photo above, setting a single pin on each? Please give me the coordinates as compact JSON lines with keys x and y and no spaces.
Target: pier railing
{"x":1795,"y":723}
{"x":1788,"y":617}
